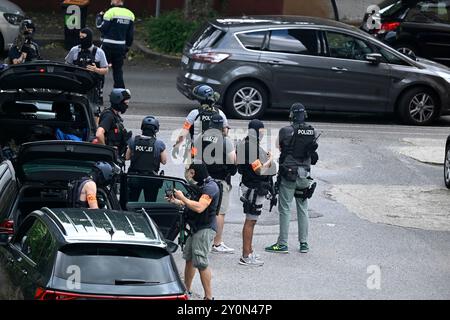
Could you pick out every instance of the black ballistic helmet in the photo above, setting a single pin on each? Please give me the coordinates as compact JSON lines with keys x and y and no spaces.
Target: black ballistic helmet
{"x":298,"y":113}
{"x":117,"y":98}
{"x":216,"y":122}
{"x":255,"y":124}
{"x":103,"y":173}
{"x":28,"y":23}
{"x":150,"y":123}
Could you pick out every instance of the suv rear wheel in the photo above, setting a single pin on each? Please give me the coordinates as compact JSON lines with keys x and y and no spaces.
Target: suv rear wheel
{"x":407,"y":49}
{"x":246,"y":100}
{"x":418,"y":106}
{"x":447,"y":166}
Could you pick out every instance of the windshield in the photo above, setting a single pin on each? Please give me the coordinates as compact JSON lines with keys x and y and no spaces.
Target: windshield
{"x":116,"y":264}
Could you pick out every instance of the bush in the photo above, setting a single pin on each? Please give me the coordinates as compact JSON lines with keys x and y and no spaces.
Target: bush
{"x":170,"y":31}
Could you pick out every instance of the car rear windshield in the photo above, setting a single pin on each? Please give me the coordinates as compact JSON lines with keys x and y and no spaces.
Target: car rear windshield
{"x":206,"y":37}
{"x":115,"y":264}
{"x":390,"y":8}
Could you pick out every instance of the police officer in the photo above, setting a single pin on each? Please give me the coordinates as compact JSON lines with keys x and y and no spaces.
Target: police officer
{"x":257,"y":168}
{"x":111,"y":130}
{"x":199,"y":119}
{"x":202,"y":222}
{"x":117,"y":28}
{"x":220,"y":157}
{"x":91,"y":57}
{"x":146,"y":153}
{"x":83,"y":192}
{"x":24,"y":48}
{"x":298,"y":145}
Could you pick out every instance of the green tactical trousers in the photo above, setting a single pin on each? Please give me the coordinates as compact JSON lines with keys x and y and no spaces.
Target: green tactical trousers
{"x":286,"y":195}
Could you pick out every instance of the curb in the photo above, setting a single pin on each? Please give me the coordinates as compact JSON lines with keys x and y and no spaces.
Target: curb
{"x":165,"y":57}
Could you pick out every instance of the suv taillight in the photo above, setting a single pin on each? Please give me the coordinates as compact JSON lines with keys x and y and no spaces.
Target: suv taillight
{"x":389,"y":26}
{"x":7,"y":227}
{"x":44,"y":294}
{"x":210,"y":57}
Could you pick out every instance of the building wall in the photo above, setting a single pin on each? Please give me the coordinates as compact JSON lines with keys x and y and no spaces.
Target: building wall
{"x":316,"y":8}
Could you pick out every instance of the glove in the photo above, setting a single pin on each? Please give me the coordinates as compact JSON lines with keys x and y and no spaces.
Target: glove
{"x":314,"y":158}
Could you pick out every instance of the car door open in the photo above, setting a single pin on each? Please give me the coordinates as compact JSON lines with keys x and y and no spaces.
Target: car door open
{"x":149,"y":192}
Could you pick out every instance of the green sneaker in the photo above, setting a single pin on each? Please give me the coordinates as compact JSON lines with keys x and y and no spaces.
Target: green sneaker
{"x":277,"y":248}
{"x":304,"y":247}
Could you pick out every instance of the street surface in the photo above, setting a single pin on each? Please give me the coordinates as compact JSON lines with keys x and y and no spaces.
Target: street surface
{"x":380,"y":204}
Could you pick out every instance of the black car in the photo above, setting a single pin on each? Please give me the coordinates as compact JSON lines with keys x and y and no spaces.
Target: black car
{"x":45,"y":101}
{"x":447,"y":163}
{"x":415,"y":28}
{"x":68,"y":254}
{"x":41,"y":175}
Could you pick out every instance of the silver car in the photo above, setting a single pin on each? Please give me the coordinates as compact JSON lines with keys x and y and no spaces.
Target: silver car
{"x":261,"y":63}
{"x":11,"y":16}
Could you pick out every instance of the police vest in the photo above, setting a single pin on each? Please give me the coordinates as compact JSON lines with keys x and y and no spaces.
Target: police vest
{"x":143,"y":159}
{"x":249,"y":177}
{"x":86,"y":57}
{"x":116,"y":136}
{"x":204,"y":220}
{"x":219,"y":169}
{"x":204,"y":117}
{"x":297,"y":144}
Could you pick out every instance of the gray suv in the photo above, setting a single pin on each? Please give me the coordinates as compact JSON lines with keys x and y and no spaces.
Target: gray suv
{"x":260,"y":63}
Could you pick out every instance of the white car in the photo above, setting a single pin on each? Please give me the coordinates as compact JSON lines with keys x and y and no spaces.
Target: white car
{"x":11,"y":16}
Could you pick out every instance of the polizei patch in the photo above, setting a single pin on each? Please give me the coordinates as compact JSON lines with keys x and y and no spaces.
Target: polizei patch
{"x":304,"y":132}
{"x":144,"y":149}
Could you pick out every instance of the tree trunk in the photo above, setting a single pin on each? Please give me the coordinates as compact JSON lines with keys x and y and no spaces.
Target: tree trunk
{"x":195,"y":9}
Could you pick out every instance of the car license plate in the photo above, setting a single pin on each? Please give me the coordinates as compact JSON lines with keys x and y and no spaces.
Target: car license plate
{"x":184,"y":59}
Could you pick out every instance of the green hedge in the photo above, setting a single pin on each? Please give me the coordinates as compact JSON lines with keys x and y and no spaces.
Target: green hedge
{"x":170,"y":31}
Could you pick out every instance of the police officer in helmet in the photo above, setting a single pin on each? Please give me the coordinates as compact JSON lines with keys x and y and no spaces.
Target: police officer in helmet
{"x":24,"y":48}
{"x":298,"y":144}
{"x":199,"y":119}
{"x":111,"y":130}
{"x":146,"y":153}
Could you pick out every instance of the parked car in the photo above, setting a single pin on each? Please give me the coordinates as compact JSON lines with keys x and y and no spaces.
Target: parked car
{"x":257,"y":63}
{"x":415,"y":28}
{"x":447,"y":163}
{"x":11,"y":16}
{"x":37,"y":99}
{"x":41,"y":174}
{"x":68,"y":254}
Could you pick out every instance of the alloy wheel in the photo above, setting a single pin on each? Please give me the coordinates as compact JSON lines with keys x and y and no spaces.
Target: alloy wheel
{"x":247,"y":101}
{"x":421,"y":107}
{"x":447,"y":168}
{"x":406,"y":51}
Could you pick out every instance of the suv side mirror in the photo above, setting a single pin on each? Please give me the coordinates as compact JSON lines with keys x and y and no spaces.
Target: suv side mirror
{"x":172,"y":247}
{"x":374,"y":58}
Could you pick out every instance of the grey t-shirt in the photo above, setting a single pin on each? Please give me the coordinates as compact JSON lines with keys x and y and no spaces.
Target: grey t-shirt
{"x":100,"y":56}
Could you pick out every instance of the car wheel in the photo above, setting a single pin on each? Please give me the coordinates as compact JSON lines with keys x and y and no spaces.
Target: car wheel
{"x":246,"y":100}
{"x":418,"y":106}
{"x":447,"y":167}
{"x":407,"y":50}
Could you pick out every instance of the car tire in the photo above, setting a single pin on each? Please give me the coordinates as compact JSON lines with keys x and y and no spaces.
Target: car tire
{"x":246,"y":100}
{"x":447,"y":166}
{"x":407,"y":49}
{"x":418,"y":106}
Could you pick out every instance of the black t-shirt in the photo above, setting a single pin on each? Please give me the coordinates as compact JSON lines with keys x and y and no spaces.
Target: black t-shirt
{"x":106,"y":121}
{"x":32,"y":50}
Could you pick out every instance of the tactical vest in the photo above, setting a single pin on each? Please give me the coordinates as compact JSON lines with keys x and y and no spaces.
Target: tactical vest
{"x":143,"y":159}
{"x":221,"y":170}
{"x":116,"y":136}
{"x":203,"y":220}
{"x":297,"y":144}
{"x":74,"y":193}
{"x":86,"y":57}
{"x":249,"y":177}
{"x":204,"y":116}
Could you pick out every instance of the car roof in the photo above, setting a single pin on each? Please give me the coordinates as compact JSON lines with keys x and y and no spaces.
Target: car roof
{"x":252,"y":22}
{"x":103,"y":225}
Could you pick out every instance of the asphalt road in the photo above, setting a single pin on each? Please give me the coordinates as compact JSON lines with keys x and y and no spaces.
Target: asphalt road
{"x":375,"y":206}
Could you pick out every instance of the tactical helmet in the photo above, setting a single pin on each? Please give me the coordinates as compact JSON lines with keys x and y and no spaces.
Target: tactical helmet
{"x":103,"y":172}
{"x":28,"y":23}
{"x":150,"y":122}
{"x":117,"y":98}
{"x":298,"y":113}
{"x":205,"y":94}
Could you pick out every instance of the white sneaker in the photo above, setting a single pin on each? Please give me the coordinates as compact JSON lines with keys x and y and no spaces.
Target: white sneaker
{"x":256,"y":255}
{"x":222,"y":248}
{"x":251,"y":261}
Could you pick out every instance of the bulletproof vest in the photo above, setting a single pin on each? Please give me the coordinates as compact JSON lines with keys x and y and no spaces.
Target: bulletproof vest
{"x":74,"y":193}
{"x":86,"y":57}
{"x":219,"y":170}
{"x":143,"y":159}
{"x":203,"y":220}
{"x":297,"y":144}
{"x":249,"y":177}
{"x":204,"y":116}
{"x":116,"y":136}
